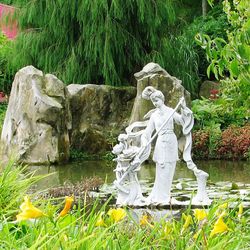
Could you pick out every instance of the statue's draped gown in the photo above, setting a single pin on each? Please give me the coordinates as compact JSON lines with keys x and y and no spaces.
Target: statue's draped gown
{"x":165,"y":152}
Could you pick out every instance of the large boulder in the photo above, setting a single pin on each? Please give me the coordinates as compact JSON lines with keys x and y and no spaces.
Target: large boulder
{"x":99,"y":113}
{"x":154,"y":75}
{"x":209,"y":89}
{"x":37,"y":120}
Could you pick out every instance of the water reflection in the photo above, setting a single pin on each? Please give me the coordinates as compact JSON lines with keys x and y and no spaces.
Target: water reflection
{"x":75,"y":171}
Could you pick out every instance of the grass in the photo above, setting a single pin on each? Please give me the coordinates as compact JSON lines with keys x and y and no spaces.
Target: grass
{"x":93,"y":227}
{"x":79,"y":230}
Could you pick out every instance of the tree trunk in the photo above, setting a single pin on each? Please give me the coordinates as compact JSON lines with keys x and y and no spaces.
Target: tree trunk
{"x":204,"y":7}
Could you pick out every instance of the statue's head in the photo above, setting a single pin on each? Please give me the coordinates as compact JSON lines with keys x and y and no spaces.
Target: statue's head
{"x":150,"y":93}
{"x":117,"y":149}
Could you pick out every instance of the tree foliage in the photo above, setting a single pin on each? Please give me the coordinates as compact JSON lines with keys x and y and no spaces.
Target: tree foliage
{"x":229,"y":60}
{"x":101,"y":41}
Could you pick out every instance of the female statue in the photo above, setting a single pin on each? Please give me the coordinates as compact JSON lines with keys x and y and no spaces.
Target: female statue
{"x":166,"y":147}
{"x":130,"y":157}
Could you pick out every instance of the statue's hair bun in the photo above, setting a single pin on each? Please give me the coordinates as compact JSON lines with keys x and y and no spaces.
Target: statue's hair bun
{"x":147,"y":92}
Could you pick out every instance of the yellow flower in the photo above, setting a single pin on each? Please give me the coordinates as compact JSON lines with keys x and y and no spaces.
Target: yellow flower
{"x":168,"y":229}
{"x":223,"y":206}
{"x":200,"y":214}
{"x":28,"y":211}
{"x":188,"y":221}
{"x":240,"y":210}
{"x":144,"y":221}
{"x":67,"y":206}
{"x":221,"y":209}
{"x":100,"y":221}
{"x":196,"y":235}
{"x":117,"y":214}
{"x":219,"y":227}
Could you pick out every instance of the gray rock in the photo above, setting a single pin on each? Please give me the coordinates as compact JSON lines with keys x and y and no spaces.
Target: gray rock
{"x":153,"y":75}
{"x":37,"y":120}
{"x":99,"y":113}
{"x":206,"y":87}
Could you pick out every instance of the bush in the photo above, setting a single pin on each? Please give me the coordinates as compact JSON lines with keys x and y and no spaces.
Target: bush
{"x":5,"y":78}
{"x":221,"y":111}
{"x":235,"y":143}
{"x":212,"y":143}
{"x":200,"y":147}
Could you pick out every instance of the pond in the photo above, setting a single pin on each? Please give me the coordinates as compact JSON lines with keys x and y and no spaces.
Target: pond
{"x":219,"y":171}
{"x":221,"y":174}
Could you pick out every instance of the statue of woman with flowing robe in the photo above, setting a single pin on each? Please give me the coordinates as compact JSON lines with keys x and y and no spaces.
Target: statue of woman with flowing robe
{"x":160,"y":126}
{"x":166,"y":146}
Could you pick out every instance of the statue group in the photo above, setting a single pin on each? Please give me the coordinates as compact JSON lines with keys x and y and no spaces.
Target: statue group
{"x":134,"y":148}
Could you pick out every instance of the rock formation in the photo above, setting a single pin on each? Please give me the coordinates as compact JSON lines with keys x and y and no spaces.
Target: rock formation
{"x":99,"y":113}
{"x":36,"y":125}
{"x":208,"y":88}
{"x":153,"y":75}
{"x":38,"y":128}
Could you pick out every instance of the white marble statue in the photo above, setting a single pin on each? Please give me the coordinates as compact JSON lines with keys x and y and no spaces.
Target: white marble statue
{"x":160,"y":126}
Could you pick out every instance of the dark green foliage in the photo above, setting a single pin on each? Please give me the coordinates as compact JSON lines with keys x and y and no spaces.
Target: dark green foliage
{"x":181,"y":55}
{"x":3,"y":108}
{"x":102,"y":41}
{"x":180,"y":59}
{"x":8,"y":2}
{"x":214,"y":24}
{"x":4,"y":77}
{"x":107,"y":41}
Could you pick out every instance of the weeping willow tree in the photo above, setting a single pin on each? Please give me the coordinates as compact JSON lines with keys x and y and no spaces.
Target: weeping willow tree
{"x":90,"y":41}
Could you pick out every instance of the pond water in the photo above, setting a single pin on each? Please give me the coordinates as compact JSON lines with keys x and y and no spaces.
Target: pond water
{"x":222,"y":175}
{"x":219,"y":171}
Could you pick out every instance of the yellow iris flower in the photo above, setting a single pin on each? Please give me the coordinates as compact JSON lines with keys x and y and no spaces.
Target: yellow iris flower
{"x":28,"y":211}
{"x":188,"y":221}
{"x":200,"y":214}
{"x":196,"y":235}
{"x":221,"y":209}
{"x":167,"y":232}
{"x":100,"y":221}
{"x":144,"y":221}
{"x":67,"y":206}
{"x":240,"y":210}
{"x":117,"y":214}
{"x":219,"y":227}
{"x":223,"y":206}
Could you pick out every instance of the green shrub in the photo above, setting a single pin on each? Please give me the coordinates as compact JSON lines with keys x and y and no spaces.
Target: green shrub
{"x":221,"y":111}
{"x":231,"y":143}
{"x":229,"y":60}
{"x":101,"y":42}
{"x":5,"y":78}
{"x":3,"y":108}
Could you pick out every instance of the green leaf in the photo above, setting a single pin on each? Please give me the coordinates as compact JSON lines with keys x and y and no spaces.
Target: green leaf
{"x":209,"y":70}
{"x":244,"y":51}
{"x":215,"y":70}
{"x":234,"y":67}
